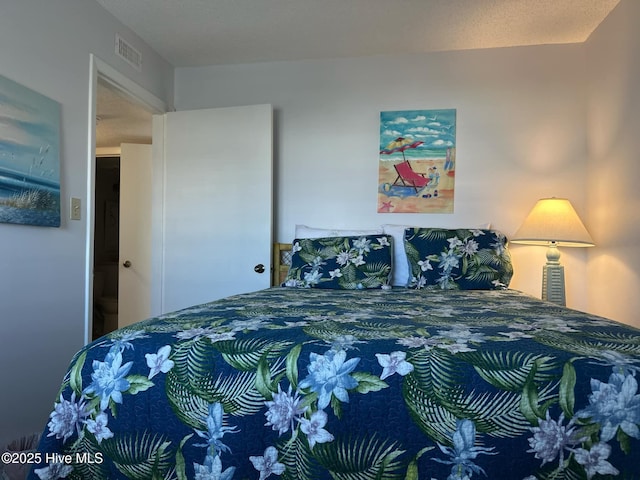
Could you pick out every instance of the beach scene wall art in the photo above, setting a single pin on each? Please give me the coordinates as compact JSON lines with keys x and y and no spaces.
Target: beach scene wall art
{"x":417,"y":161}
{"x":29,"y":156}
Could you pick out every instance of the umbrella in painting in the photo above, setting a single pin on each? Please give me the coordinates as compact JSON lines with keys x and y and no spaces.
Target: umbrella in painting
{"x":401,"y":144}
{"x":406,"y":176}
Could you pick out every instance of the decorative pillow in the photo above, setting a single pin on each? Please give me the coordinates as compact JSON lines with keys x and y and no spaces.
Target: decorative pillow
{"x":347,"y":263}
{"x":465,"y":259}
{"x":401,"y":273}
{"x":302,"y":231}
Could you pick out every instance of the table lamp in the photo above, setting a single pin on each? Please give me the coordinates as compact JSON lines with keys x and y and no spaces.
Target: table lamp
{"x":553,"y":222}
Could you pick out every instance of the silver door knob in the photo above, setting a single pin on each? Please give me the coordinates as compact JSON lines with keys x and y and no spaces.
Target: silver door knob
{"x":259,"y":268}
{"x":126,"y":264}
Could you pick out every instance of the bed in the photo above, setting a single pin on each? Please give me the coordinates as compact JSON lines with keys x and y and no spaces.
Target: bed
{"x":343,"y":373}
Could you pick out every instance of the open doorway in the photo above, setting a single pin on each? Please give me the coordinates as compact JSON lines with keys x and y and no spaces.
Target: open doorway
{"x":118,"y":120}
{"x":106,"y":244}
{"x":123,"y":114}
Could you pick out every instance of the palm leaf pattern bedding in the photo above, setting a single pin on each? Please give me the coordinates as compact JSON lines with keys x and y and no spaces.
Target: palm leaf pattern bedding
{"x":335,"y":384}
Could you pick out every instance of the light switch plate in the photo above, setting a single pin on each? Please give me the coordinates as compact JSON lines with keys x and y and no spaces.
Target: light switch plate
{"x":76,"y":209}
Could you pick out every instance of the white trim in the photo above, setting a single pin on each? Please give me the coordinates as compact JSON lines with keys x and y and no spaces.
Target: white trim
{"x":89,"y":203}
{"x":134,"y":92}
{"x":158,"y":219}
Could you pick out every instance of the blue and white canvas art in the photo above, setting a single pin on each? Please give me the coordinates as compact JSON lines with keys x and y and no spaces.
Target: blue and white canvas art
{"x":29,"y":156}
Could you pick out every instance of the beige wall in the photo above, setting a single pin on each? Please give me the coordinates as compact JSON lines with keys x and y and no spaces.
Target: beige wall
{"x":613,"y":186}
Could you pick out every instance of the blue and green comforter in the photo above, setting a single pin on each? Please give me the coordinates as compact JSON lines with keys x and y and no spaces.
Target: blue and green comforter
{"x":334,"y":384}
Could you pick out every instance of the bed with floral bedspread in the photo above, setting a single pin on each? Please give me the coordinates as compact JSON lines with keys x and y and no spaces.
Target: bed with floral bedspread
{"x":353,"y":384}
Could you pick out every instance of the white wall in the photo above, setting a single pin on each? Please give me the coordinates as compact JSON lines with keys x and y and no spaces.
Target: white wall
{"x":614,"y":164}
{"x":520,"y":136}
{"x":46,"y":46}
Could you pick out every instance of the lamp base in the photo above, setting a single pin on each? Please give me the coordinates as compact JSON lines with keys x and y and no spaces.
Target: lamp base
{"x":553,"y":284}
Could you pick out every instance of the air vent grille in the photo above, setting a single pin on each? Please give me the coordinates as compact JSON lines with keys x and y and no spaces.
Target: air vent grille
{"x":128,"y":53}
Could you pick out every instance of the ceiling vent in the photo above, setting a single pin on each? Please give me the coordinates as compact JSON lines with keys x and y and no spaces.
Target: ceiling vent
{"x":128,"y":53}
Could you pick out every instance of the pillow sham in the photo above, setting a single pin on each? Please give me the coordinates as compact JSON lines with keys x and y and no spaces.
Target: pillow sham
{"x":464,"y":259}
{"x":344,"y":263}
{"x":303,"y":231}
{"x":401,"y":273}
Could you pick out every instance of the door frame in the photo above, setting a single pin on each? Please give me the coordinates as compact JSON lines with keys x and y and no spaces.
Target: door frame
{"x":134,"y":92}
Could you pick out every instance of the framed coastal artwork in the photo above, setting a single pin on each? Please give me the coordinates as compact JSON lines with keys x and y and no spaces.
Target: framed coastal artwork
{"x":417,"y":161}
{"x":29,"y":156}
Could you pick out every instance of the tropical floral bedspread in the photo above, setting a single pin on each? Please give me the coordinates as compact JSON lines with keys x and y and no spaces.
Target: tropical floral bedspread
{"x":333,"y":384}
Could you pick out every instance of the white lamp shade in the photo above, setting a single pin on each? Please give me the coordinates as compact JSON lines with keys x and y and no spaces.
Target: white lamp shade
{"x":553,"y":220}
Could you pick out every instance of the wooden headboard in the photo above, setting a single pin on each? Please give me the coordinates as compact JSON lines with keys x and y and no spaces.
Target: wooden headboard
{"x":281,"y":262}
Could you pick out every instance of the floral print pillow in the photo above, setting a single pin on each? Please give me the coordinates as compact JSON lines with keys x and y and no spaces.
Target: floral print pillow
{"x":345,"y":263}
{"x":464,"y":259}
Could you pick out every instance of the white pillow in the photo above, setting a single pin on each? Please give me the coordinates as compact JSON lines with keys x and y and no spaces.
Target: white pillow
{"x":401,"y":273}
{"x":302,"y":231}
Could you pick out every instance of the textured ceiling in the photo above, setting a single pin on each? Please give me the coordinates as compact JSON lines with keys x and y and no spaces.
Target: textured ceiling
{"x":210,"y":32}
{"x":119,"y":120}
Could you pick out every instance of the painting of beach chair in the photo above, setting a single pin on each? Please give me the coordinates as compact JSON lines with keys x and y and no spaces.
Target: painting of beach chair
{"x":407,"y":177}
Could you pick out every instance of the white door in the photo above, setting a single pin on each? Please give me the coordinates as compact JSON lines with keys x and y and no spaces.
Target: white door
{"x":134,"y":271}
{"x":217,"y":203}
